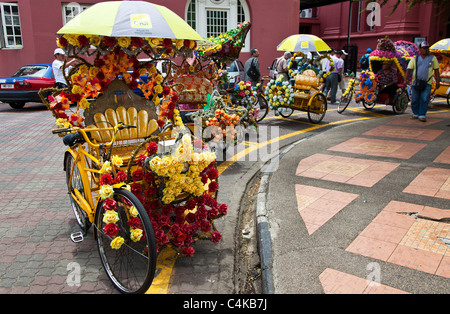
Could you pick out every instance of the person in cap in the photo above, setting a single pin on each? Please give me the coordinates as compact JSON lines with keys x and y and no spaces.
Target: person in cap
{"x":57,"y":65}
{"x":364,"y":61}
{"x":387,"y":81}
{"x":332,"y":81}
{"x":282,"y":66}
{"x":421,"y":68}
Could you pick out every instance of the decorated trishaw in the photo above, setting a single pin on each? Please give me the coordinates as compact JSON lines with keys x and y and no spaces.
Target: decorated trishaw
{"x":223,"y":111}
{"x":139,"y":186}
{"x":303,"y":89}
{"x":397,"y":55}
{"x":441,"y":50}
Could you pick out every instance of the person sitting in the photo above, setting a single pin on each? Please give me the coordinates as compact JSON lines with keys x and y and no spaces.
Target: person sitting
{"x":387,"y":80}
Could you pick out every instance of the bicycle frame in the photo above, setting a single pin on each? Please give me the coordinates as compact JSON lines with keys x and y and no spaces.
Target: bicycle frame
{"x":88,"y":203}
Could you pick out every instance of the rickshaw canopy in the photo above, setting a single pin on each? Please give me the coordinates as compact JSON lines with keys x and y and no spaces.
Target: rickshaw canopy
{"x":303,"y":43}
{"x":130,"y":19}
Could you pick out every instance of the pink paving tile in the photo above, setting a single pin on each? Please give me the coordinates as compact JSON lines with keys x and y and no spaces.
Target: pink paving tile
{"x":403,"y":240}
{"x":376,"y":147}
{"x":444,"y":267}
{"x":414,"y":122}
{"x":427,"y":262}
{"x":444,"y":157}
{"x":372,"y":248}
{"x":402,"y":132}
{"x":337,"y":282}
{"x":431,"y":182}
{"x":356,"y":171}
{"x":317,"y":206}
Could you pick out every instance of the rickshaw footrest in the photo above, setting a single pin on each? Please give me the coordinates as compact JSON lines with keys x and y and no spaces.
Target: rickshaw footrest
{"x":77,"y":237}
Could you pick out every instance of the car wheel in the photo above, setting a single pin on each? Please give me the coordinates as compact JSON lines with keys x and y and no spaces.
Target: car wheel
{"x":17,"y":105}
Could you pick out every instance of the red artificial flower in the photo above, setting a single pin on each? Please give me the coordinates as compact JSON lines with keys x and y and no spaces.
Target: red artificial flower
{"x":133,"y":84}
{"x":63,"y":42}
{"x":179,"y":210}
{"x":109,"y":41}
{"x":84,"y":42}
{"x":106,"y":179}
{"x":216,"y":236}
{"x":163,"y":220}
{"x":187,"y":43}
{"x":141,"y":160}
{"x":212,"y":173}
{"x":167,"y":43}
{"x":99,"y":63}
{"x":135,"y":74}
{"x":188,"y":251}
{"x":205,"y":226}
{"x":110,"y":204}
{"x":213,"y":186}
{"x":223,"y":209}
{"x":191,"y":204}
{"x":212,"y":214}
{"x":150,"y":191}
{"x":160,"y":123}
{"x":152,"y":148}
{"x":121,"y":176}
{"x":134,"y":223}
{"x":138,"y":175}
{"x":149,"y":177}
{"x":137,"y":41}
{"x":136,"y":188}
{"x":166,"y":91}
{"x":167,"y":209}
{"x":111,"y":230}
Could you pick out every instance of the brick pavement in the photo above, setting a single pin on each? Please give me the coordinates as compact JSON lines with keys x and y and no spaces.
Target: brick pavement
{"x":35,"y":216}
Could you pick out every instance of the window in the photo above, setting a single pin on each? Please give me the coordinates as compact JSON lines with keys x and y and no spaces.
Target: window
{"x":11,"y":31}
{"x":70,"y":10}
{"x":213,"y":17}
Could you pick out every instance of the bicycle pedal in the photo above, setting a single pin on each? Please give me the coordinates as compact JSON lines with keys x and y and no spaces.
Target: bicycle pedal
{"x":77,"y":237}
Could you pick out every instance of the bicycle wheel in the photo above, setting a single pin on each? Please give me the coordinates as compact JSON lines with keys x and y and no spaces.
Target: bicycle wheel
{"x":344,"y":102}
{"x":73,"y":180}
{"x":263,"y":106}
{"x":317,"y":108}
{"x":131,"y":267}
{"x":286,"y":112}
{"x":400,"y":105}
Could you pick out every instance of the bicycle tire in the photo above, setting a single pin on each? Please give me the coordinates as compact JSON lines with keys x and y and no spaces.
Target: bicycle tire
{"x":344,"y":102}
{"x":80,"y":215}
{"x":313,"y":116}
{"x":131,"y":268}
{"x":286,"y":112}
{"x":263,"y":107}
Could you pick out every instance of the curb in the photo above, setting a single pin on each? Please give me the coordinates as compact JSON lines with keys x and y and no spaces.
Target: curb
{"x":262,"y":222}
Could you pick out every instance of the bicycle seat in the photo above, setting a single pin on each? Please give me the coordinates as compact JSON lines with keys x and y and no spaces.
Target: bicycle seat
{"x":72,"y":139}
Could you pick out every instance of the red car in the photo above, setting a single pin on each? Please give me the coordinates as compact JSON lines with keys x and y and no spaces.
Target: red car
{"x":25,"y":84}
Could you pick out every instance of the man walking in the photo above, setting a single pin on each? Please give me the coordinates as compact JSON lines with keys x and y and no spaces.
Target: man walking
{"x":422,"y":68}
{"x":251,"y":68}
{"x":332,"y":81}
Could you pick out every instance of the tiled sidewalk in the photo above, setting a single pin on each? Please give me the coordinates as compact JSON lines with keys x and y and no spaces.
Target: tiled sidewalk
{"x":404,"y":234}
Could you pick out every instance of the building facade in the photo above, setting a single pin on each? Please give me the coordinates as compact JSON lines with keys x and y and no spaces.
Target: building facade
{"x":28,"y":27}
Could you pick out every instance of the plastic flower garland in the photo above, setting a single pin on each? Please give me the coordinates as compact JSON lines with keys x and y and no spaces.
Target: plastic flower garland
{"x":351,"y":85}
{"x":367,"y":86}
{"x":244,"y":93}
{"x":307,"y":64}
{"x":279,"y":93}
{"x":188,"y":170}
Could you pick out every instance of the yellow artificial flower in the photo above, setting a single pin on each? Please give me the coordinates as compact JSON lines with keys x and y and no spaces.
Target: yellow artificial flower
{"x":117,"y":161}
{"x":83,"y":69}
{"x":179,"y":44}
{"x":158,"y":89}
{"x":117,"y":243}
{"x":106,"y":168}
{"x":110,"y":217}
{"x":136,"y":234}
{"x":159,"y":79}
{"x":155,"y":163}
{"x":133,"y":211}
{"x":95,"y":40}
{"x":124,"y":42}
{"x":77,"y":89}
{"x":93,"y":71}
{"x":106,"y":191}
{"x":62,"y":123}
{"x":84,"y":104}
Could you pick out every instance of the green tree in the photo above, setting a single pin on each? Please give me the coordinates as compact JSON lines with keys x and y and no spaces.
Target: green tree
{"x":443,"y":6}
